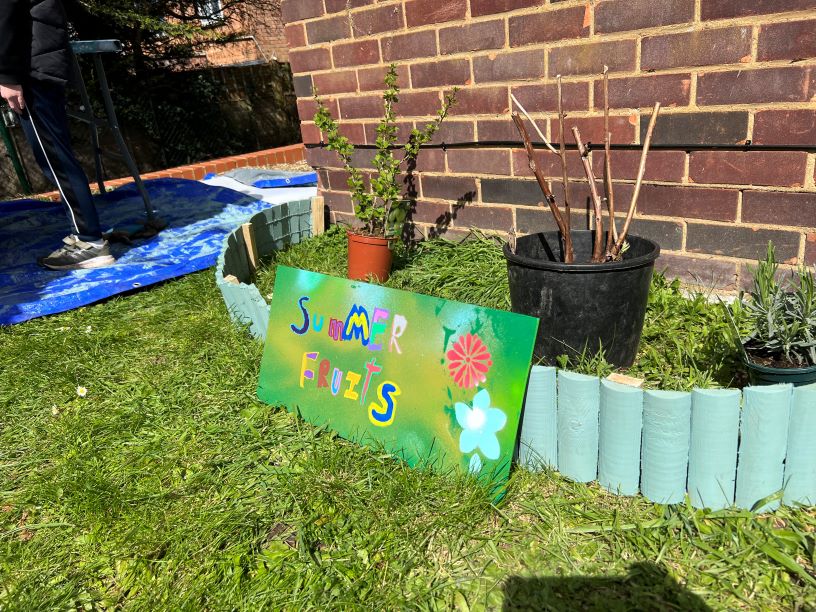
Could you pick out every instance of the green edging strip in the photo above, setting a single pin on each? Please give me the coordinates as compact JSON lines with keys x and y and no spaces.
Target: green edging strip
{"x":274,"y":229}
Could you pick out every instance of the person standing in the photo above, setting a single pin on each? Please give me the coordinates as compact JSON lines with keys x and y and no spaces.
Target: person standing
{"x":35,"y":65}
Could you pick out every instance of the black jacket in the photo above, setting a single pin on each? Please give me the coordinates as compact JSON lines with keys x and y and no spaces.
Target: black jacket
{"x":33,"y":42}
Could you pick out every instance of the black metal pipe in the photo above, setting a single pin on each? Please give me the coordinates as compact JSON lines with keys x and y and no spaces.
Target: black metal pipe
{"x":517,"y":144}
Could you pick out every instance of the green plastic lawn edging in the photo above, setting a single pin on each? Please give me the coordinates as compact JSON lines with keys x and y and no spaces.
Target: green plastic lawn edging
{"x":720,"y":447}
{"x":273,"y":229}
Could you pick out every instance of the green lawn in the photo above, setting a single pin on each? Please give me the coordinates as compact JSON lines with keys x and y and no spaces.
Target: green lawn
{"x":169,"y":486}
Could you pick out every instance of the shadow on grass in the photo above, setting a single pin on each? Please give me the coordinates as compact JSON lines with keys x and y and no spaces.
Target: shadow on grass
{"x":647,"y":586}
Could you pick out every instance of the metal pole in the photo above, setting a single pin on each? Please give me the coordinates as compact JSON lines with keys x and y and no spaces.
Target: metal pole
{"x":11,"y":149}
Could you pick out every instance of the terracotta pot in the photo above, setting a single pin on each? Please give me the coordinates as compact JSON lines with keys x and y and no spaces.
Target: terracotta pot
{"x":369,"y":256}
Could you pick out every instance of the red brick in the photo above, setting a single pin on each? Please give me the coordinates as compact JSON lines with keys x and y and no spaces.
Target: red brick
{"x":448,"y":188}
{"x":431,"y":212}
{"x":377,"y":20}
{"x":623,"y":129}
{"x":295,"y":35}
{"x":335,"y":6}
{"x":549,"y":26}
{"x":785,"y":127}
{"x":472,"y":37}
{"x":303,"y":86}
{"x":424,"y":12}
{"x":441,"y":72}
{"x":590,"y":58}
{"x":780,"y":168}
{"x":328,"y":30}
{"x":621,"y":15}
{"x":355,"y":132}
{"x":309,"y":133}
{"x":788,"y":84}
{"x":707,"y":272}
{"x":684,"y":202}
{"x":485,"y":217}
{"x":668,"y":166}
{"x":373,"y":79}
{"x":318,"y":157}
{"x":419,"y":104}
{"x":642,"y":92}
{"x":738,"y":241}
{"x":501,"y":129}
{"x":481,"y":101}
{"x":409,"y":46}
{"x":340,"y":202}
{"x":356,"y":53}
{"x":779,"y":208}
{"x":723,"y":9}
{"x":698,"y":48}
{"x":361,"y":107}
{"x":309,"y":60}
{"x":335,"y":82}
{"x":431,"y":160}
{"x":509,"y":66}
{"x":548,"y":163}
{"x":307,"y":108}
{"x":479,"y":161}
{"x":792,"y":40}
{"x":543,"y":98}
{"x":455,"y":131}
{"x":810,"y":249}
{"x":490,"y":7}
{"x":296,"y":10}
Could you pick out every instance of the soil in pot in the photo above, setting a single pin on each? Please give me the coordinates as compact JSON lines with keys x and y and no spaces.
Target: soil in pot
{"x":583,"y":307}
{"x":760,"y":374}
{"x":369,"y":256}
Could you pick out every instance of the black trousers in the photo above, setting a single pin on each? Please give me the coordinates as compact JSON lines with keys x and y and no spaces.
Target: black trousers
{"x":46,"y":128}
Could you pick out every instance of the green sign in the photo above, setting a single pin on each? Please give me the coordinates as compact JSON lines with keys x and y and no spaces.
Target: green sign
{"x":429,"y":379}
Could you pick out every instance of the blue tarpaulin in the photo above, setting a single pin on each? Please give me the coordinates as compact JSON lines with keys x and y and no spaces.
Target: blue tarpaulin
{"x":199,"y":216}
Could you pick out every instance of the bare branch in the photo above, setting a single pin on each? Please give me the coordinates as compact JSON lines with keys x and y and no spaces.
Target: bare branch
{"x":633,"y":205}
{"x":535,"y":126}
{"x":612,"y":234}
{"x":597,"y":250}
{"x":562,"y":153}
{"x":545,"y":189}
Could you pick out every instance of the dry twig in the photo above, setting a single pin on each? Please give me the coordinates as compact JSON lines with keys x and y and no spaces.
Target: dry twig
{"x":612,"y":234}
{"x":562,"y":153}
{"x":545,"y":188}
{"x":535,"y":125}
{"x":597,"y":249}
{"x":633,"y":205}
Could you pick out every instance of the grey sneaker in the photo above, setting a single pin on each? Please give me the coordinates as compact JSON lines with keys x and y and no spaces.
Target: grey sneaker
{"x":78,"y":255}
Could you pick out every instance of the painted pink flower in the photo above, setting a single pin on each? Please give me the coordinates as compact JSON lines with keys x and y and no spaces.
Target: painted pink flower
{"x":468,"y":361}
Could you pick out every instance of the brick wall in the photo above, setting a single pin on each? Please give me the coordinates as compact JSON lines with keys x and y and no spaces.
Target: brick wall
{"x":267,"y":40}
{"x":726,"y":71}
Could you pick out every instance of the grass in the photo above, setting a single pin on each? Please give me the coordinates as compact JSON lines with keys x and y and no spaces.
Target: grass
{"x":168,"y":486}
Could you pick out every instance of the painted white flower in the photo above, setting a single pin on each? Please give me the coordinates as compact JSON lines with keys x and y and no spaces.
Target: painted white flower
{"x":480,"y":424}
{"x":82,"y":391}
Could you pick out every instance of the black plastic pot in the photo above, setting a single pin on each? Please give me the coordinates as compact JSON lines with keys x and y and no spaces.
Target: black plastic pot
{"x":582,"y":306}
{"x":764,"y":375}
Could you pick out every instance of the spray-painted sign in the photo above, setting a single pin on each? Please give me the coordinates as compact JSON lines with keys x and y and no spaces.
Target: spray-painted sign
{"x":433,"y":381}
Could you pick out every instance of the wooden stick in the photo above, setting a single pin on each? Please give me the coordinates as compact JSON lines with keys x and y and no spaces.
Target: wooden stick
{"x":612,"y":235}
{"x":646,"y":144}
{"x":562,"y":152}
{"x":251,"y":248}
{"x":318,"y":216}
{"x":535,"y":125}
{"x":597,"y":250}
{"x":545,"y":188}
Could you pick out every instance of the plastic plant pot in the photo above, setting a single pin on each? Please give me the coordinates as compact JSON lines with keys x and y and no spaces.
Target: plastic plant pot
{"x":583,"y":307}
{"x":765,"y":375}
{"x":369,"y":256}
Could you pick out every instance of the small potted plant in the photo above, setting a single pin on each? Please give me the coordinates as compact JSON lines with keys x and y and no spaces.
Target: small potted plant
{"x":778,"y":322}
{"x":380,"y":206}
